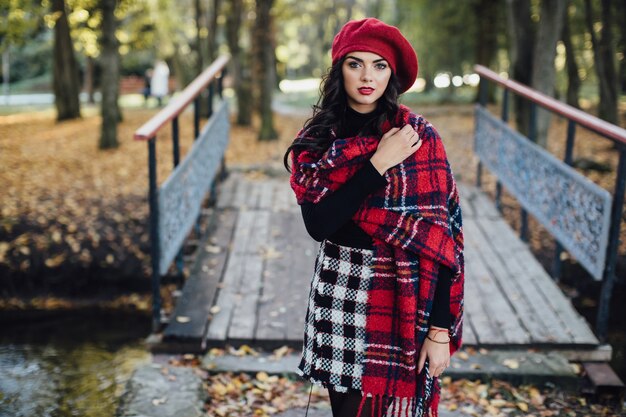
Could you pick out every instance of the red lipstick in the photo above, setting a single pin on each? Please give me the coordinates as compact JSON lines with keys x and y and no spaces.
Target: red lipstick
{"x":366,"y":91}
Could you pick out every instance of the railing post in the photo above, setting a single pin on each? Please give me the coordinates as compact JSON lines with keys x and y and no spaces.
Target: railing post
{"x":557,"y":263}
{"x":175,"y":141}
{"x":532,"y":135}
{"x":155,"y":252}
{"x":505,"y":118}
{"x":220,"y":91}
{"x":220,"y":83}
{"x":176,"y":149}
{"x":569,"y":145}
{"x":210,"y":99}
{"x":196,"y":118}
{"x":602,"y":321}
{"x":482,"y":100}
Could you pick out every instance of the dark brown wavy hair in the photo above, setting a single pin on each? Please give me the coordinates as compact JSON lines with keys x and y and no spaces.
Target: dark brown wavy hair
{"x":330,"y":112}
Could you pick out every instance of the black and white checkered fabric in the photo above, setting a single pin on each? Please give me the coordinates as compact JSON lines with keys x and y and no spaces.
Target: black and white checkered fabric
{"x":334,"y":335}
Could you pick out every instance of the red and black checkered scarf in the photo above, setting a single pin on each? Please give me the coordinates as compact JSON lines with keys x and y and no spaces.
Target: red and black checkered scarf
{"x":415,"y":225}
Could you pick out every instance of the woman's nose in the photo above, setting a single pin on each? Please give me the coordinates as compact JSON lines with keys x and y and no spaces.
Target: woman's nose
{"x":366,"y":75}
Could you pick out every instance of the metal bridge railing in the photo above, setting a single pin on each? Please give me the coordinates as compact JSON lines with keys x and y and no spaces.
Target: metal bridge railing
{"x":583,"y":217}
{"x":175,"y":205}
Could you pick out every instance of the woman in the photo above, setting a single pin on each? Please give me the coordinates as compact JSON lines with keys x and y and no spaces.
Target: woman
{"x":386,"y":303}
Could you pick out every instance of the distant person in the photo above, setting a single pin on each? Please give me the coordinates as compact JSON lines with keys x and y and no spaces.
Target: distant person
{"x":159,"y":87}
{"x":375,"y":188}
{"x":147,"y":80}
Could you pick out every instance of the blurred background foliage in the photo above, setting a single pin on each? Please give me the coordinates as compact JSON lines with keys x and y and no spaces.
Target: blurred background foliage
{"x":449,"y":36}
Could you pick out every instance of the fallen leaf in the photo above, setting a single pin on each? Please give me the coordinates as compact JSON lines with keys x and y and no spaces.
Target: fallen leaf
{"x":535,"y":396}
{"x":498,"y":402}
{"x":511,"y":363}
{"x":281,"y":352}
{"x":55,"y":261}
{"x":212,"y":249}
{"x":243,"y":351}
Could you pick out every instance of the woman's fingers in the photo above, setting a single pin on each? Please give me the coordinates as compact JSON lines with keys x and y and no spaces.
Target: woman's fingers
{"x":421,"y":360}
{"x":392,"y":152}
{"x":391,"y":132}
{"x":437,"y":365}
{"x":436,"y":369}
{"x":410,"y":135}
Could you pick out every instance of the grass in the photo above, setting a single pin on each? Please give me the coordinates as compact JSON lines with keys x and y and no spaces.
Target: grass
{"x":41,"y":84}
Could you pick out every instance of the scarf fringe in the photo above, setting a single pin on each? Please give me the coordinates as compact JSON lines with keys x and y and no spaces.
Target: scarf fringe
{"x":400,"y":406}
{"x":433,"y":405}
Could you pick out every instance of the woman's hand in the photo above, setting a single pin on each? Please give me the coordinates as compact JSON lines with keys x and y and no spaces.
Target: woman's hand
{"x":438,"y":354}
{"x":395,"y":146}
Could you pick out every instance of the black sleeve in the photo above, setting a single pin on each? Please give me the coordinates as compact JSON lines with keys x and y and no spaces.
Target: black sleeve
{"x":440,"y":315}
{"x":326,"y":217}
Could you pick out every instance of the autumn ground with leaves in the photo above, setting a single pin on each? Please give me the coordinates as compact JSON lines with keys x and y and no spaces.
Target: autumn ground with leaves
{"x":242,"y":394}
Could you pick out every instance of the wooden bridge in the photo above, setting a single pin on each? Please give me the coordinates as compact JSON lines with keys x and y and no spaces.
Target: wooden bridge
{"x":250,"y":283}
{"x":250,"y":280}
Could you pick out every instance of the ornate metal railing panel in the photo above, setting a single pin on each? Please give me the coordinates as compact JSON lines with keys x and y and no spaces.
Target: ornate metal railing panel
{"x":181,"y":195}
{"x":573,"y":209}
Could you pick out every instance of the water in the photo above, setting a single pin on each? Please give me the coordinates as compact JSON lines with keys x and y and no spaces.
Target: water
{"x":69,"y":365}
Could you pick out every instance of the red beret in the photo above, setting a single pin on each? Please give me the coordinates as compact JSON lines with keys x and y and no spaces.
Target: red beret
{"x":372,"y":35}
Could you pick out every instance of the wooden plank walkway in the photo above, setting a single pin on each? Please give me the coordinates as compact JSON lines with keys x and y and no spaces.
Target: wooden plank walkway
{"x":251,"y":284}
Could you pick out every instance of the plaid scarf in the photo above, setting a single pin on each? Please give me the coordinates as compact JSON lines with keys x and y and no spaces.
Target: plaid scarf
{"x":415,"y":225}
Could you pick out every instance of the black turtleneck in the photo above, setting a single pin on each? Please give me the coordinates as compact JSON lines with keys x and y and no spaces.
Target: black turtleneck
{"x":331,"y":218}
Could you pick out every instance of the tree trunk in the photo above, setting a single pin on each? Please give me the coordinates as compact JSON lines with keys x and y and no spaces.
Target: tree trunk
{"x":212,"y":26}
{"x":241,"y":81}
{"x":621,"y":18}
{"x":184,"y":66}
{"x":603,"y":57}
{"x":374,"y":8}
{"x":543,"y":69}
{"x":110,"y":61}
{"x":202,"y":51}
{"x":66,"y":81}
{"x":486,"y":12}
{"x":573,"y":79}
{"x":6,"y":73}
{"x":521,"y":32}
{"x":265,"y":68}
{"x":88,"y":83}
{"x":350,"y":9}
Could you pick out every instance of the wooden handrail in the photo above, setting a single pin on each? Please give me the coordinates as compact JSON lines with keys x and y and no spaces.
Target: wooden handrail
{"x":610,"y":131}
{"x":176,"y":106}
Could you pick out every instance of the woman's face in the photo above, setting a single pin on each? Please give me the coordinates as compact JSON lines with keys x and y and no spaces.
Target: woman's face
{"x":365,"y":78}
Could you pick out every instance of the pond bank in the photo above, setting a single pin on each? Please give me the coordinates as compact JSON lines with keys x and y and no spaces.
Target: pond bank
{"x":66,"y":363}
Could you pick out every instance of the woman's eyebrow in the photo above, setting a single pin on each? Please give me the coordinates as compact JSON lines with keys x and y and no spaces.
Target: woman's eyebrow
{"x":360,"y":60}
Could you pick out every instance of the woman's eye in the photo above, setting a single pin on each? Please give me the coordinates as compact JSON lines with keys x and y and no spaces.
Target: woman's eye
{"x":381,"y":66}
{"x":353,"y":64}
